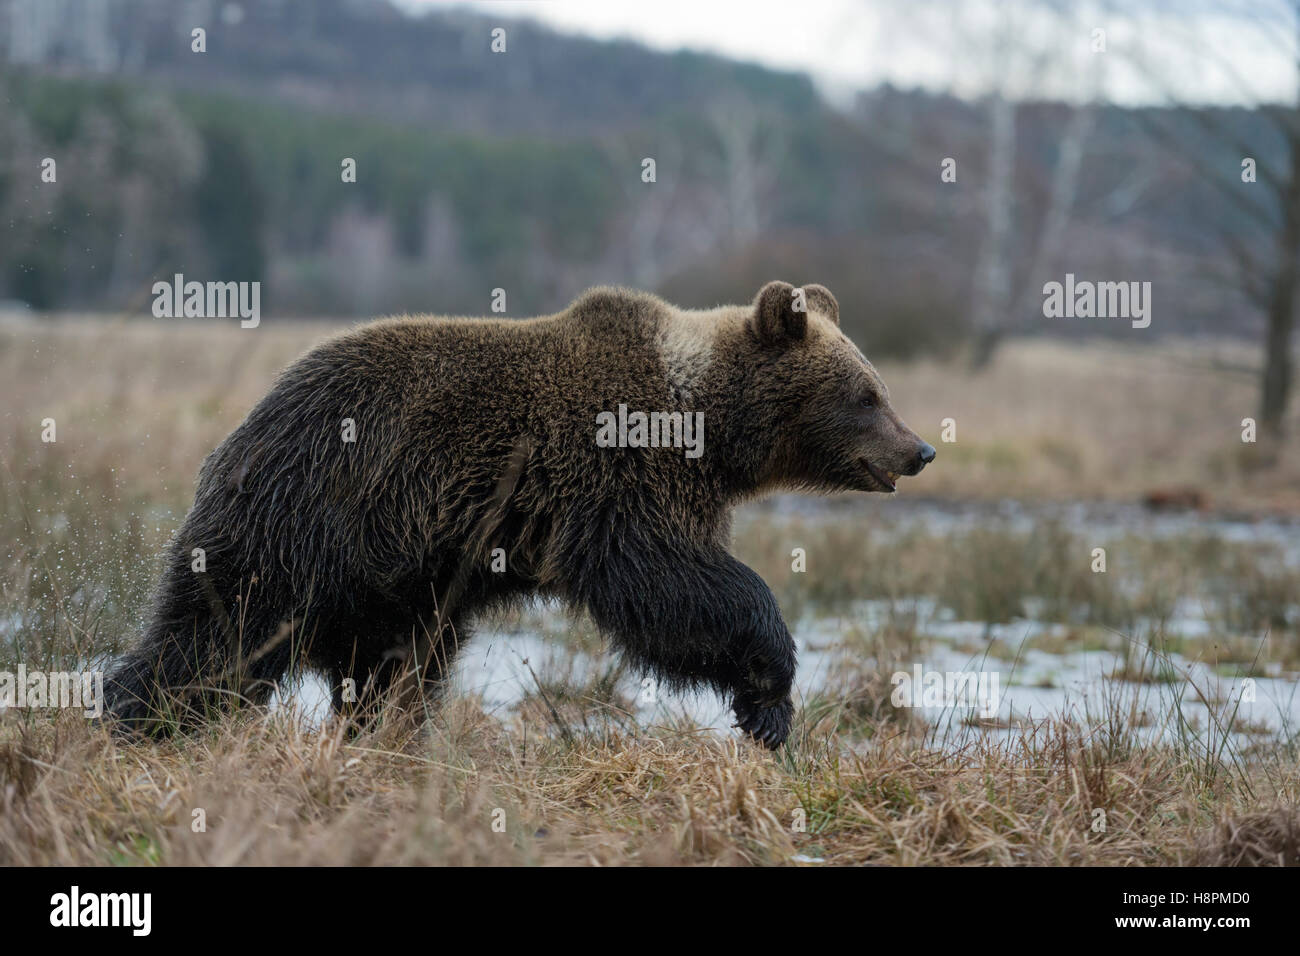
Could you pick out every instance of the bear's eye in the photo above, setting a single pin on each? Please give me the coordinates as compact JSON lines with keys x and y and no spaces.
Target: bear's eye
{"x":869,"y":401}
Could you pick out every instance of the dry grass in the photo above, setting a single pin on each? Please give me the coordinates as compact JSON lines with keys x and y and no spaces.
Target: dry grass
{"x":274,"y":792}
{"x":1098,"y":421}
{"x":1263,"y":838}
{"x":997,"y":573}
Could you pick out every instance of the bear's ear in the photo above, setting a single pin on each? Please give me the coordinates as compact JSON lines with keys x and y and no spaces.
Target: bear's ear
{"x":819,"y":297}
{"x":775,"y":317}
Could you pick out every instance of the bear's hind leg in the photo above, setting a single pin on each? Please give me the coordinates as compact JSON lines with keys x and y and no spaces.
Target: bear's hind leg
{"x":197,"y":659}
{"x":409,"y":670}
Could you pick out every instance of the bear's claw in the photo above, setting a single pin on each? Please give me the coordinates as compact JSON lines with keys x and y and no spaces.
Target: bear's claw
{"x":768,"y":726}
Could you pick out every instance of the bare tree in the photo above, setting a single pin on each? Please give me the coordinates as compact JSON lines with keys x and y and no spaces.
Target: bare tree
{"x":1268,"y":273}
{"x":673,"y":221}
{"x":993,"y":272}
{"x":1011,"y":69}
{"x":751,"y":153}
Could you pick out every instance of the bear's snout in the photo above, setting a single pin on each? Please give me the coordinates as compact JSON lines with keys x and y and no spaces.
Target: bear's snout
{"x":924,"y":455}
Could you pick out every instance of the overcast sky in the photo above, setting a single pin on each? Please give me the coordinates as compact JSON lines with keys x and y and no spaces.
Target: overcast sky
{"x":1193,"y":50}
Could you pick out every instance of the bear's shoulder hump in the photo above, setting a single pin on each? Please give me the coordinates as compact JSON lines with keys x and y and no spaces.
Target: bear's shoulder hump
{"x":615,"y":307}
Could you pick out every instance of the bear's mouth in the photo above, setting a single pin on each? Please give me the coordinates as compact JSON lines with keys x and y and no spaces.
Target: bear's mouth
{"x":886,"y":479}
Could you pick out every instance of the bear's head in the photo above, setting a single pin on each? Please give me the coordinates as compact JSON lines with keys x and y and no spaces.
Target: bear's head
{"x":830,"y":425}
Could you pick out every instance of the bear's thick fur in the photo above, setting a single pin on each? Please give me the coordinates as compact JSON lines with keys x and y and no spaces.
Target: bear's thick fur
{"x":367,"y":559}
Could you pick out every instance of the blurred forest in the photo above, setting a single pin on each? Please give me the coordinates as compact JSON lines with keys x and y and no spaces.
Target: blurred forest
{"x":523,"y":171}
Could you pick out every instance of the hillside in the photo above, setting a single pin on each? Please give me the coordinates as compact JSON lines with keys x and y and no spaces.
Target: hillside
{"x":522,"y":171}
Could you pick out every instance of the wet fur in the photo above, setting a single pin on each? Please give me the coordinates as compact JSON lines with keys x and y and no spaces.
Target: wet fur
{"x":363,"y":559}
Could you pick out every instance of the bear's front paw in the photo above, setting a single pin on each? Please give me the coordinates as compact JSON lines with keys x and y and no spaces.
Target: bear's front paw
{"x":767,"y":725}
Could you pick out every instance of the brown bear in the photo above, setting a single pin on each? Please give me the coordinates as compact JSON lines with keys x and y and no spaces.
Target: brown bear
{"x":409,"y":474}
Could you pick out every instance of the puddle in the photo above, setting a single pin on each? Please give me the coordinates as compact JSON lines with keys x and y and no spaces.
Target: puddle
{"x":499,"y":668}
{"x":498,"y":665}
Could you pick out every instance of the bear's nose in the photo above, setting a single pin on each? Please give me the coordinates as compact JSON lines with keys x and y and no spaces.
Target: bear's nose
{"x":925,"y":455}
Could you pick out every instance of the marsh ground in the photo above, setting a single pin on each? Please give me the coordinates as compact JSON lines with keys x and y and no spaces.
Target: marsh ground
{"x":1148,"y":713}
